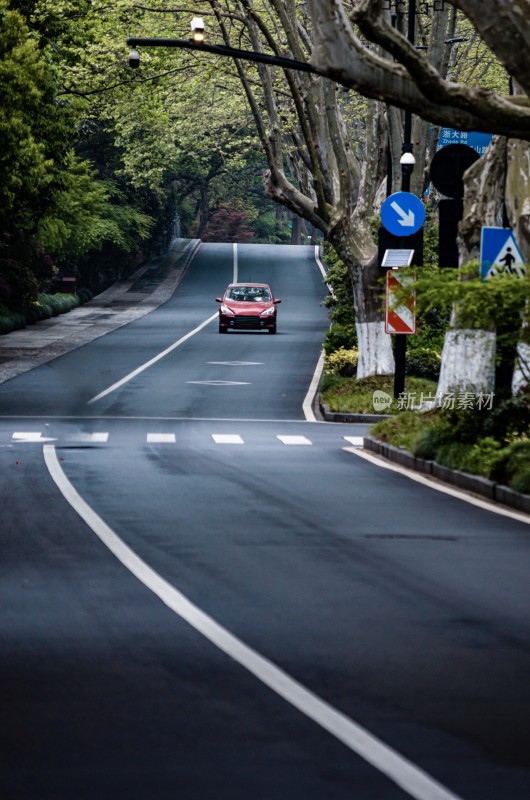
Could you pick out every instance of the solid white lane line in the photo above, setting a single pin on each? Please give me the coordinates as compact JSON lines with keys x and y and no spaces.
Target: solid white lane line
{"x":161,"y":438}
{"x":227,"y":438}
{"x":441,"y":487}
{"x":294,"y":440}
{"x":417,"y":783}
{"x":152,"y":361}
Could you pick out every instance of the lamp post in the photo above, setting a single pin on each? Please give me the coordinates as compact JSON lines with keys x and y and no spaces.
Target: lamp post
{"x":407,"y":162}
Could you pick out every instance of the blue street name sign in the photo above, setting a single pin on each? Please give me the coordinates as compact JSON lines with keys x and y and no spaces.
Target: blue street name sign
{"x":499,"y":253}
{"x":402,"y":213}
{"x":478,"y":141}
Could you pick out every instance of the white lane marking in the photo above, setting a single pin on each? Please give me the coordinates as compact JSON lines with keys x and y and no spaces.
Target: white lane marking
{"x":161,"y":438}
{"x":441,"y":487}
{"x":413,"y":780}
{"x":237,"y":363}
{"x":89,"y":437}
{"x":227,"y":438}
{"x":294,"y":440}
{"x":168,"y":350}
{"x":307,"y":405}
{"x":31,"y":436}
{"x":152,"y":361}
{"x":356,"y":441}
{"x":236,"y":265}
{"x":220,"y":383}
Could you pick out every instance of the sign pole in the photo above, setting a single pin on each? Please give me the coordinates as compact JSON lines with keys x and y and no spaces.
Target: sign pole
{"x":400,"y":350}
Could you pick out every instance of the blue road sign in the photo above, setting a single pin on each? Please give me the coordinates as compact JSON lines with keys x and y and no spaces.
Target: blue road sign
{"x":478,"y":141}
{"x":402,"y":213}
{"x":499,"y":253}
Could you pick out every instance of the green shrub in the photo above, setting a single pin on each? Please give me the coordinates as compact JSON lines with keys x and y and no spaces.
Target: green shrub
{"x":453,"y":455}
{"x":508,"y":419}
{"x":6,"y":324}
{"x":342,"y":362}
{"x":423,"y":363}
{"x":18,"y":285}
{"x":483,"y":457}
{"x":340,"y":337}
{"x":84,"y":295}
{"x":521,"y":480}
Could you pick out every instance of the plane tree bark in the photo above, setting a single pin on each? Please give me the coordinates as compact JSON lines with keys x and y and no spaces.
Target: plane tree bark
{"x":402,"y":75}
{"x":315,"y":168}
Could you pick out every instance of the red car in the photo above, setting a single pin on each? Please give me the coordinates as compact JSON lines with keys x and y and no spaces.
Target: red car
{"x":248,"y":306}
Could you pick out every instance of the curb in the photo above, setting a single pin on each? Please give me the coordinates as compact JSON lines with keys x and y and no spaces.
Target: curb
{"x":462,"y":480}
{"x":336,"y":416}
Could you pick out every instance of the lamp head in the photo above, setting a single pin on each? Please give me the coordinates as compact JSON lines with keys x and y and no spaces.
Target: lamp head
{"x":134,"y":58}
{"x":197,"y":29}
{"x":407,"y":159}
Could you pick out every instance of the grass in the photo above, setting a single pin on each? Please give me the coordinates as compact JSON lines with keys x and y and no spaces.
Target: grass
{"x":352,"y":396}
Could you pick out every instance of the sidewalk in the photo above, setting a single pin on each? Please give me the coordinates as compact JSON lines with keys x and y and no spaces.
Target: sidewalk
{"x":123,"y":302}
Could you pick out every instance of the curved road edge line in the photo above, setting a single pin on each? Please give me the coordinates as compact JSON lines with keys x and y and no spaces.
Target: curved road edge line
{"x":417,"y":783}
{"x":433,"y":483}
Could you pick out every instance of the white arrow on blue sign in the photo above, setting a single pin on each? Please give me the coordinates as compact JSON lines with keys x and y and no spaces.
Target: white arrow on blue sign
{"x":402,"y":213}
{"x":499,"y":253}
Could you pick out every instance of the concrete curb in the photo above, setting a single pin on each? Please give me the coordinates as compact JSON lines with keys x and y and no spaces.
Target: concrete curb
{"x":149,"y":287}
{"x":462,"y":480}
{"x":336,"y":416}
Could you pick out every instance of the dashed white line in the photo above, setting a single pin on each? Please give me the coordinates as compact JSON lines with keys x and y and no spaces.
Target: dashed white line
{"x":227,"y":438}
{"x":31,"y":436}
{"x":294,"y":440}
{"x":356,"y":441}
{"x":413,"y":780}
{"x":161,"y":438}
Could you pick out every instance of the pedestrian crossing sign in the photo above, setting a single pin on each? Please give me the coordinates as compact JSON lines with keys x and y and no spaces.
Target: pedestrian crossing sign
{"x":500,"y":254}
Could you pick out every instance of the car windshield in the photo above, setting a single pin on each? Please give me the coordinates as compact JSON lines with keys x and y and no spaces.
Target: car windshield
{"x":249,"y":294}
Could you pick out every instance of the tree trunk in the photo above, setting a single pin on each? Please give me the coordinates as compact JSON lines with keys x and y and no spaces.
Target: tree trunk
{"x":518,"y":210}
{"x":468,"y":357}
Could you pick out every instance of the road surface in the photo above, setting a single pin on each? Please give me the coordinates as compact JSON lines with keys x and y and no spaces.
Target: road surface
{"x":205,"y":595}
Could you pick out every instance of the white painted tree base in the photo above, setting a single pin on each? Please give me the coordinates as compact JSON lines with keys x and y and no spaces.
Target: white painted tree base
{"x":468,"y":362}
{"x":521,"y":373}
{"x":375,"y":350}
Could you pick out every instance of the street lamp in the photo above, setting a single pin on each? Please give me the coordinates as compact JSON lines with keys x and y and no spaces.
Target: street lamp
{"x":197,"y":29}
{"x":134,"y":58}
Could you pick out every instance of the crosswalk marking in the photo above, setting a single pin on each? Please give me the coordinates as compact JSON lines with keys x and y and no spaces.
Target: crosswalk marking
{"x":227,"y":438}
{"x":31,"y":436}
{"x":294,"y":440}
{"x":91,"y":437}
{"x":356,"y":441}
{"x":161,"y":438}
{"x":168,"y":438}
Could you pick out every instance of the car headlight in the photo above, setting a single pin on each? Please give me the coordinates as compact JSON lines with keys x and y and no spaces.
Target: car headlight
{"x":268,"y":312}
{"x":226,"y":310}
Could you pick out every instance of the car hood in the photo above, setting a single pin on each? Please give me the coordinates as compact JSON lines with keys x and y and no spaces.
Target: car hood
{"x":247,"y":308}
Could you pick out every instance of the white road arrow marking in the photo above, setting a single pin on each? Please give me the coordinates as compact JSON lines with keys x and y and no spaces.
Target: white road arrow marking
{"x":407,"y":217}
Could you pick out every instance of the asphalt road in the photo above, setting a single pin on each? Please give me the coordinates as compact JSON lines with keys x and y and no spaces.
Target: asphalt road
{"x":204,"y":595}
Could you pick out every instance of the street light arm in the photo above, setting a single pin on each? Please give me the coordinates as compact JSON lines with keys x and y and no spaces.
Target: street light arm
{"x":232,"y":52}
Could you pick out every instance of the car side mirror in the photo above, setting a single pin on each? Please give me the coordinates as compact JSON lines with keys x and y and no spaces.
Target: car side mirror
{"x":218,"y":299}
{"x":277,"y":301}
